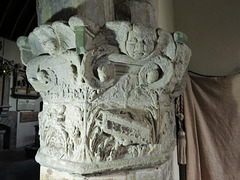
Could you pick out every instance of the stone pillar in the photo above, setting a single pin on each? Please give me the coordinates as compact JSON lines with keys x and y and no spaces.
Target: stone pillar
{"x":164,"y":14}
{"x":97,"y":11}
{"x":108,"y":88}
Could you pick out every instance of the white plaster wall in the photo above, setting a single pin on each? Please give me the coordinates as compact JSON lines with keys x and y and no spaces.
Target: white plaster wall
{"x":213,"y":30}
{"x":25,"y":131}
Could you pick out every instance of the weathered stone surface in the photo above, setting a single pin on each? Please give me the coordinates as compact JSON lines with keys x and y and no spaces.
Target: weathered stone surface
{"x":98,"y":11}
{"x":25,"y":50}
{"x":161,"y":172}
{"x":111,"y":108}
{"x":136,"y":11}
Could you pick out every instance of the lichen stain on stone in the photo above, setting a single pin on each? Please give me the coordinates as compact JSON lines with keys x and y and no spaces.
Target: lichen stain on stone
{"x":49,"y":171}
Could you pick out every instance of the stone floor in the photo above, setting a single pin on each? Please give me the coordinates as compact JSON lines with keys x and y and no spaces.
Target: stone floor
{"x":17,"y":165}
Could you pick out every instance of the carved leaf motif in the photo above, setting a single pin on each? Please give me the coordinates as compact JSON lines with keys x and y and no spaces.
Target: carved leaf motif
{"x":113,"y":102}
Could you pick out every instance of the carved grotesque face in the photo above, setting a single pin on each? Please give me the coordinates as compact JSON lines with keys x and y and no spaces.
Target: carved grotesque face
{"x":140,"y":44}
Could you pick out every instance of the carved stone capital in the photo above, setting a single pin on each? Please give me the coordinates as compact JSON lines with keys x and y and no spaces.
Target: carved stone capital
{"x":111,"y":107}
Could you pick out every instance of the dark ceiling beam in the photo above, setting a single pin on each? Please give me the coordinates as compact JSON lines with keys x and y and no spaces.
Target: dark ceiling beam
{"x":5,"y":12}
{"x":30,"y":23}
{"x":19,"y":17}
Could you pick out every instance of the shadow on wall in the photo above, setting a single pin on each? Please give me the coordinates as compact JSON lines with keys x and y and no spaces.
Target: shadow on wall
{"x":122,"y":11}
{"x":4,"y":137}
{"x":25,"y":170}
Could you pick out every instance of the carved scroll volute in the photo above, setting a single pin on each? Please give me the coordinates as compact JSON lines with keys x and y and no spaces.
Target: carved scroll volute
{"x":110,"y":104}
{"x":98,"y":71}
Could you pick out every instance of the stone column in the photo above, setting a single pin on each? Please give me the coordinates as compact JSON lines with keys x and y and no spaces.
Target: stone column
{"x":97,"y":11}
{"x":108,"y":80}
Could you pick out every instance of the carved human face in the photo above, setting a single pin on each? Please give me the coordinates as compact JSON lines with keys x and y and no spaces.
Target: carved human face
{"x":139,"y":45}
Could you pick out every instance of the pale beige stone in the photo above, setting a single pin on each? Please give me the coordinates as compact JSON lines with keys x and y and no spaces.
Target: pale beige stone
{"x":136,"y":12}
{"x":25,"y":50}
{"x":161,"y":172}
{"x":112,"y":107}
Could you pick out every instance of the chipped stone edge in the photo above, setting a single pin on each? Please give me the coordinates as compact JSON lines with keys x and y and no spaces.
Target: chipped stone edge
{"x":88,"y":169}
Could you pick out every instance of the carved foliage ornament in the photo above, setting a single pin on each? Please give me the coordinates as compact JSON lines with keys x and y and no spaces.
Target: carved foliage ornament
{"x":112,"y":107}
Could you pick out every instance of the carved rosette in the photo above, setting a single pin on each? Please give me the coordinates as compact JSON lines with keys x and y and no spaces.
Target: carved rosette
{"x":111,"y":107}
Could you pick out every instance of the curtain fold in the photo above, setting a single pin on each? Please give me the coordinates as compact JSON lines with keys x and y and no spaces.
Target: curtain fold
{"x":212,"y":120}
